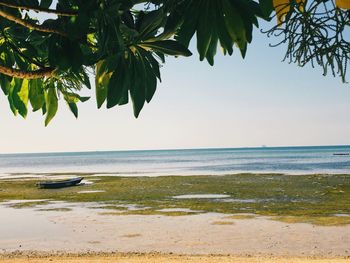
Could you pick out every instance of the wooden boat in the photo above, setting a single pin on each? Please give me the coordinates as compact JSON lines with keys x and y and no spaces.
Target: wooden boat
{"x":60,"y":184}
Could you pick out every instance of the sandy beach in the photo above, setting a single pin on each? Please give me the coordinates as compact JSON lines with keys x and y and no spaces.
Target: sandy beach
{"x":150,"y":222}
{"x":207,"y":237}
{"x":154,"y":223}
{"x":166,"y":258}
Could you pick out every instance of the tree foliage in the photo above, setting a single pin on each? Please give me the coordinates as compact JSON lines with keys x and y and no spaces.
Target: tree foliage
{"x":123,"y":43}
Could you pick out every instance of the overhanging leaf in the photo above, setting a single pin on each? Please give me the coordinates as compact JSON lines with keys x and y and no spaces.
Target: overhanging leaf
{"x":73,"y":108}
{"x":36,"y":94}
{"x":51,"y":103}
{"x":20,"y":96}
{"x":101,"y":82}
{"x":169,"y":47}
{"x":119,"y":81}
{"x":204,"y":28}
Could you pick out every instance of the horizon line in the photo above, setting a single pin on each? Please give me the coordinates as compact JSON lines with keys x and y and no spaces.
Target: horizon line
{"x":179,"y":149}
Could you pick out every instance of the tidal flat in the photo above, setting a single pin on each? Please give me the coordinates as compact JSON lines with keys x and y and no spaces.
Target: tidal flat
{"x":318,"y":199}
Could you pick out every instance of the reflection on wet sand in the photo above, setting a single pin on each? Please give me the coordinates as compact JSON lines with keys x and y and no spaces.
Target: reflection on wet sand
{"x":78,"y":228}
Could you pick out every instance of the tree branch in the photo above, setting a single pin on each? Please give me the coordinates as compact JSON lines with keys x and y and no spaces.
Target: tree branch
{"x":39,"y":9}
{"x":35,"y":74}
{"x":30,"y":25}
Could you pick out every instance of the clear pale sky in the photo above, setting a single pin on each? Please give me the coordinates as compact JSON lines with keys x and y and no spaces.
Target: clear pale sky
{"x":237,"y":103}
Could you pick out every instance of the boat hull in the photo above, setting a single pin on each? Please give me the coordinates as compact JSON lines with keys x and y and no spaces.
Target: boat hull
{"x":60,"y":184}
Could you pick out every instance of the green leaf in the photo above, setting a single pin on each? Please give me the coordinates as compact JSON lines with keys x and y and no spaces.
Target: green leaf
{"x":10,"y":98}
{"x":36,"y":94}
{"x":266,"y":7}
{"x":248,"y":10}
{"x":65,"y":53}
{"x":57,"y":56}
{"x":83,"y":99}
{"x":85,"y":79}
{"x":188,"y":28}
{"x":151,"y":82}
{"x":5,"y":83}
{"x":235,"y":25}
{"x":128,"y":19}
{"x":43,"y":109}
{"x":173,"y":21}
{"x":125,"y":97}
{"x":20,"y":96}
{"x":70,"y":97}
{"x":169,"y":47}
{"x":101,"y":82}
{"x":51,"y":103}
{"x":150,"y":23}
{"x":45,"y":3}
{"x":204,"y":28}
{"x":73,"y":108}
{"x":20,"y":61}
{"x":152,"y":61}
{"x":211,"y":51}
{"x":119,"y":81}
{"x":155,"y":65}
{"x":78,"y":25}
{"x":224,"y":37}
{"x":138,"y":89}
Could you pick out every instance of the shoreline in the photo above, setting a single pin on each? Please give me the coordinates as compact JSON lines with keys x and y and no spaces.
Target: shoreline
{"x":6,"y":176}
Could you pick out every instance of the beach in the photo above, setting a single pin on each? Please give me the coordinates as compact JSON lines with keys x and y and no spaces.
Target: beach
{"x":231,"y":218}
{"x":165,"y":258}
{"x":82,"y":235}
{"x":84,"y":230}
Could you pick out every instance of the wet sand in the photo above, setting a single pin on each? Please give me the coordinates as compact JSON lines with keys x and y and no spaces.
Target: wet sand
{"x":84,"y":230}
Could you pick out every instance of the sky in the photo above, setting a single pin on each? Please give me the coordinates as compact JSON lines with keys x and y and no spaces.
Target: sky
{"x":237,"y":103}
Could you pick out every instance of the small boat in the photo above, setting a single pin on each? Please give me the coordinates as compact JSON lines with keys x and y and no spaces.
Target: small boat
{"x":341,"y":153}
{"x":60,"y":184}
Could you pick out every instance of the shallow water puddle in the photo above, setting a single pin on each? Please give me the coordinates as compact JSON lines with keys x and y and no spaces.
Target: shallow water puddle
{"x":204,"y":196}
{"x":234,"y":200}
{"x":186,"y":210}
{"x":342,"y":215}
{"x":86,"y":182}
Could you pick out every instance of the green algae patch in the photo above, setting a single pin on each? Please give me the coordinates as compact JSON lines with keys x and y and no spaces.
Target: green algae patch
{"x":312,"y":199}
{"x":315,"y":220}
{"x":132,"y":235}
{"x":223,"y":223}
{"x":30,"y":204}
{"x":59,"y":209}
{"x":110,"y":207}
{"x":149,"y":212}
{"x":242,"y":216}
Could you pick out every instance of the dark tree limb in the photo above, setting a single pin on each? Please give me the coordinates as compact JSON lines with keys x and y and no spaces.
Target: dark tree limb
{"x":30,"y":25}
{"x":39,"y":9}
{"x":35,"y":74}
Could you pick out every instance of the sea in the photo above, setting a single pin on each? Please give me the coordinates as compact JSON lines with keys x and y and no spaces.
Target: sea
{"x":287,"y":160}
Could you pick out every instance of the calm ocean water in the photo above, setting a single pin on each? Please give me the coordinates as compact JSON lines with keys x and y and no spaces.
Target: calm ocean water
{"x":291,"y":160}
